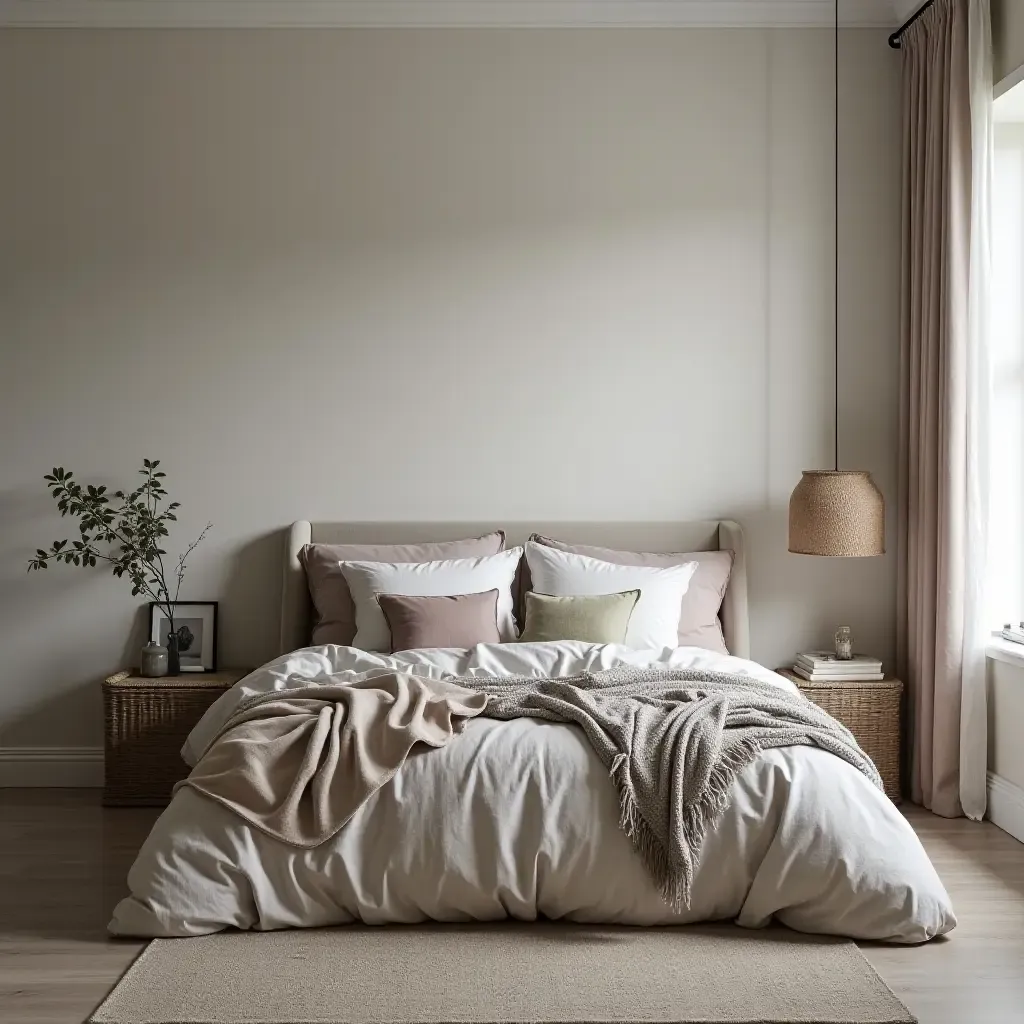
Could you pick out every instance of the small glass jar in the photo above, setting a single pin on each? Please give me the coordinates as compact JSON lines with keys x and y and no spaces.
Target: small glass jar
{"x":844,"y":643}
{"x":153,"y":662}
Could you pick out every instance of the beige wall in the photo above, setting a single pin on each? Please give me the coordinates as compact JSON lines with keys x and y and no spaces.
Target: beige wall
{"x":1007,"y":37}
{"x":432,"y":275}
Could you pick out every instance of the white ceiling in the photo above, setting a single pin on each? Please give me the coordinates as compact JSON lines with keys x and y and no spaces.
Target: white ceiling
{"x":483,"y":13}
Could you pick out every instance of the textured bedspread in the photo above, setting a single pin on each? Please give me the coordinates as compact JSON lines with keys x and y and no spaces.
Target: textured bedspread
{"x":518,"y":819}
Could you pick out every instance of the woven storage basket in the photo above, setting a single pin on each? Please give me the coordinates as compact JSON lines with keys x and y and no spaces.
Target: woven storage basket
{"x":146,"y":722}
{"x":870,"y":709}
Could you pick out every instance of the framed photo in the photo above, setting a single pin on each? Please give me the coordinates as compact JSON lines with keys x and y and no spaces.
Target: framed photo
{"x":195,"y":623}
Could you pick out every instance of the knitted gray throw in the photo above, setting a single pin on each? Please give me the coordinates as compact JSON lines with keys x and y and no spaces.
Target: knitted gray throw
{"x":673,"y":742}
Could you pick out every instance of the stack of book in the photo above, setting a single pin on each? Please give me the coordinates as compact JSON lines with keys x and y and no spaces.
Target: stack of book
{"x":824,"y":666}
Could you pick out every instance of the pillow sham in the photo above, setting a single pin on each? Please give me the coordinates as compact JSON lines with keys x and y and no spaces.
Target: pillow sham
{"x":654,"y":624}
{"x":699,"y":621}
{"x":456,"y":620}
{"x":441,"y":578}
{"x":596,"y":619}
{"x":335,"y":613}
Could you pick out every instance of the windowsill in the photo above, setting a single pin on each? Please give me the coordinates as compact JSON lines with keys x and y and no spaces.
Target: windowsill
{"x":999,"y":649}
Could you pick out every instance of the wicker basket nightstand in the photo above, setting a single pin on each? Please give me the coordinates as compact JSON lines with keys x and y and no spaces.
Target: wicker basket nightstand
{"x":871,"y":711}
{"x":146,"y":722}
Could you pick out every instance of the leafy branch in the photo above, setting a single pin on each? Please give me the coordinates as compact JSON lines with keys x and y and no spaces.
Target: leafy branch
{"x":126,"y":530}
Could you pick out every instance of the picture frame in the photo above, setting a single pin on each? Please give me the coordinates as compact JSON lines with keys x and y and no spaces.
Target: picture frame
{"x":195,"y":622}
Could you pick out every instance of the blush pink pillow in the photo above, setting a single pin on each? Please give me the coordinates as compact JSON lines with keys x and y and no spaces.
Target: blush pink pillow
{"x":699,"y":624}
{"x":463,"y":620}
{"x":335,"y":619}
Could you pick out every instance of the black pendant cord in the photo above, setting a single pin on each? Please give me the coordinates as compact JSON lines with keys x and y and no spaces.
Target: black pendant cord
{"x":896,"y":39}
{"x":836,"y":300}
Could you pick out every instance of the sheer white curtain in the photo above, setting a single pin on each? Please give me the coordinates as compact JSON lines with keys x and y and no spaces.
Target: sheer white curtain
{"x":979,"y":566}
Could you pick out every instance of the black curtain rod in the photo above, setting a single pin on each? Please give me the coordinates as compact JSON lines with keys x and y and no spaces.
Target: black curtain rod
{"x":896,"y":37}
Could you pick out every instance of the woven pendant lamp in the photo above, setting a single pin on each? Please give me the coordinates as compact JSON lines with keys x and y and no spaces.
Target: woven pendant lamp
{"x":834,"y":512}
{"x":839,"y":513}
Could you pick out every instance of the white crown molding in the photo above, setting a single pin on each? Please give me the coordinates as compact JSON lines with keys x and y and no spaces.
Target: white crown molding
{"x":443,"y":13}
{"x":45,"y":767}
{"x":1006,"y":805}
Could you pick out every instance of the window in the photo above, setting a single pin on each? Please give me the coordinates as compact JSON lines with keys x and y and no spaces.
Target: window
{"x":1005,"y":583}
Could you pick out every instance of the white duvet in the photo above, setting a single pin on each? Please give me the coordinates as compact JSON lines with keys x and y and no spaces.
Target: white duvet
{"x":519,"y":819}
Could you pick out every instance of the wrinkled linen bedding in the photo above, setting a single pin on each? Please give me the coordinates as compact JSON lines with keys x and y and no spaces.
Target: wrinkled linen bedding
{"x":519,"y":818}
{"x":298,"y":764}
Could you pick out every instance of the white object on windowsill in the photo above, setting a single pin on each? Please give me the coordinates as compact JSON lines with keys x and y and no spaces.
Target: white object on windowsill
{"x":1013,"y":633}
{"x":1000,"y":649}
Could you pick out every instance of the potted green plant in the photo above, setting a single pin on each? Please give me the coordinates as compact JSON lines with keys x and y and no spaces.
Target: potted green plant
{"x":125,"y":530}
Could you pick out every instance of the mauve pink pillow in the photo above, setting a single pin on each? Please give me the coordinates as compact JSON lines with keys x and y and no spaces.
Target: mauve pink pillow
{"x":699,"y":625}
{"x":332,"y":600}
{"x":462,"y":620}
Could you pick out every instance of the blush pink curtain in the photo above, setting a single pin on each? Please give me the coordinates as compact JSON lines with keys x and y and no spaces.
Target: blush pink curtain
{"x":943,"y":485}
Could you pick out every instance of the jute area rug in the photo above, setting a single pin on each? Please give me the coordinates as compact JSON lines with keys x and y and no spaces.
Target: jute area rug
{"x":502,"y":974}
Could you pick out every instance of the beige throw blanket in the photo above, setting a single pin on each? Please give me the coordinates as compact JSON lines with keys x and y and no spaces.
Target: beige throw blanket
{"x":298,"y":764}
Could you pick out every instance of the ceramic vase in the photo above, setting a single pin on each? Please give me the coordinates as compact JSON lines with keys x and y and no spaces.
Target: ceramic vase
{"x":153,"y":662}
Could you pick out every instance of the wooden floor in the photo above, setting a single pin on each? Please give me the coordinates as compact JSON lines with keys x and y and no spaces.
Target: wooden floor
{"x":63,"y":861}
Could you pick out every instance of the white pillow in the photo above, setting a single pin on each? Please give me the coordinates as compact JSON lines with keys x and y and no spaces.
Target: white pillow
{"x":654,"y":623}
{"x":446,"y":578}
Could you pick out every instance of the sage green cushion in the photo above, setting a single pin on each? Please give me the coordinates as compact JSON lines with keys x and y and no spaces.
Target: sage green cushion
{"x":599,"y":619}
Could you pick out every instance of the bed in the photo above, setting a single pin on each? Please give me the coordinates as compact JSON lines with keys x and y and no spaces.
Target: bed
{"x":519,"y":818}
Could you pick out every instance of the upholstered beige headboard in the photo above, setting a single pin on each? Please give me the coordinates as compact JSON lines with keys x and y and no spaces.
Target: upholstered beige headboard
{"x":297,"y":611}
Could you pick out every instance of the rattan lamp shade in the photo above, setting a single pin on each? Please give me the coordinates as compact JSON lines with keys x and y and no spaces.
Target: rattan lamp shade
{"x":837,"y":513}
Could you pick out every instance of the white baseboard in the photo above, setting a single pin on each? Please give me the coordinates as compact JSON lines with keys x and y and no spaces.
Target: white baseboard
{"x":1006,"y":805}
{"x":39,"y":767}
